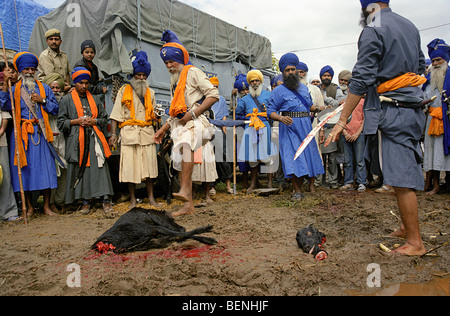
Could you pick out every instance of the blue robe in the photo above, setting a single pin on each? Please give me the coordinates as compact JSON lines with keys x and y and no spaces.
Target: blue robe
{"x":291,"y":137}
{"x":255,"y":145}
{"x":40,"y":173}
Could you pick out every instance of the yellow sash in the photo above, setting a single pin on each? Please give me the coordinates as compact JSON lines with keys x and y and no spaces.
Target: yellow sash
{"x":255,"y":121}
{"x":407,"y":80}
{"x":128,"y":101}
{"x":437,"y":123}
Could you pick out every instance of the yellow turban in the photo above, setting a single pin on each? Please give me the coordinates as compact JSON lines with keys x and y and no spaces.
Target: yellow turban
{"x":254,"y":74}
{"x":214,"y":80}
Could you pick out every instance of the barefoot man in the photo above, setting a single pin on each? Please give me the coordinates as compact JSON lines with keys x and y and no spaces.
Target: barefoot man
{"x":192,"y":94}
{"x":134,"y":113}
{"x":34,"y":102}
{"x":390,"y":62}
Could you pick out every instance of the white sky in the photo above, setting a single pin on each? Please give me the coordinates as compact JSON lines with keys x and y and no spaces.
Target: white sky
{"x":301,"y":25}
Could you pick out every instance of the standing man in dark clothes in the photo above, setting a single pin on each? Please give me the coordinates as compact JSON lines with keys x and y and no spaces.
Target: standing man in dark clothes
{"x":390,"y":61}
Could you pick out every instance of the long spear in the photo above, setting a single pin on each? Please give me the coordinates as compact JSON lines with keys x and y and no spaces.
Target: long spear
{"x":19,"y":163}
{"x":233,"y":104}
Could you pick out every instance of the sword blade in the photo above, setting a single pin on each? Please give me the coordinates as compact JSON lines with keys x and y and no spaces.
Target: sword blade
{"x":314,"y":132}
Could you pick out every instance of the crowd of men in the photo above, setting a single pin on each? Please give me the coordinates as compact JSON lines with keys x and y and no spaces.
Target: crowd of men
{"x":62,"y":150}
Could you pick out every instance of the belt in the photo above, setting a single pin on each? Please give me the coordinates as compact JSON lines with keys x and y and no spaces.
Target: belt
{"x":405,"y":105}
{"x":295,"y":114}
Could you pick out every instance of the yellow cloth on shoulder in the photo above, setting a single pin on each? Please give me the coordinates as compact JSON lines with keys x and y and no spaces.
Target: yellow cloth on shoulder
{"x":128,"y":101}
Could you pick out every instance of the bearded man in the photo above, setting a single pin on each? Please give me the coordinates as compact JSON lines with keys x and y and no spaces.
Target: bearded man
{"x":290,"y":104}
{"x":390,"y":61}
{"x":82,"y":118}
{"x":134,"y":113}
{"x":192,"y":94}
{"x":437,"y":134}
{"x":256,"y":140}
{"x":34,"y":102}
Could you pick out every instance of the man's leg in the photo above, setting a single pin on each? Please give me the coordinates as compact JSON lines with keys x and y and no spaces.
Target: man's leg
{"x":47,"y":210}
{"x":408,"y":207}
{"x":132,"y":191}
{"x":151,"y":197}
{"x":254,"y":175}
{"x":185,"y":194}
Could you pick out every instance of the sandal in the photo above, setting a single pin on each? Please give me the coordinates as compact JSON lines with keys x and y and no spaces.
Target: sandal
{"x":385,"y":189}
{"x":85,"y":209}
{"x":347,"y":187}
{"x":14,"y":219}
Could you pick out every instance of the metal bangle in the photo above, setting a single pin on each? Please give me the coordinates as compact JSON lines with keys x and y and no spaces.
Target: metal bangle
{"x":193,"y":114}
{"x":341,"y":125}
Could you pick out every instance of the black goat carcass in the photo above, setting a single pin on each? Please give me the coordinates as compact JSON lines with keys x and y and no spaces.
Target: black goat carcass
{"x":143,"y":229}
{"x":311,"y":241}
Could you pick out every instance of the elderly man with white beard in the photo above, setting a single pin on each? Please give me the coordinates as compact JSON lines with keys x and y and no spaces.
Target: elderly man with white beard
{"x":192,"y":94}
{"x":437,"y":134}
{"x":255,"y":147}
{"x":134,"y":113}
{"x":34,"y":102}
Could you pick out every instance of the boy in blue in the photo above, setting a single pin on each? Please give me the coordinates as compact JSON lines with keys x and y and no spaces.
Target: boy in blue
{"x":255,"y":146}
{"x":290,"y":104}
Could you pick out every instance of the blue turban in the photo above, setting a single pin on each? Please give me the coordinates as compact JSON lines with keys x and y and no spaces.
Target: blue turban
{"x":141,"y":64}
{"x":365,"y":3}
{"x":327,"y":69}
{"x":438,"y":48}
{"x":174,"y":49}
{"x":25,"y":60}
{"x":276,"y":79}
{"x":303,"y":66}
{"x":79,"y":74}
{"x":241,"y":82}
{"x":289,"y":59}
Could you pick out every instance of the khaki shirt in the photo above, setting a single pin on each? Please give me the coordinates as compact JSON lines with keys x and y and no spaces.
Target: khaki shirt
{"x":52,"y":62}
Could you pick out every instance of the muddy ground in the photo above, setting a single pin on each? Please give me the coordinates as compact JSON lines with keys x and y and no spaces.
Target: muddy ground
{"x":256,"y":254}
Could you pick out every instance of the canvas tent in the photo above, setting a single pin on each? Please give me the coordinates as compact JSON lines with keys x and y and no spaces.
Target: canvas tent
{"x":17,"y":18}
{"x":118,"y":27}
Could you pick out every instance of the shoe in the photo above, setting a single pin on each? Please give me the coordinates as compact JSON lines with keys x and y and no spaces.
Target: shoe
{"x":361,"y":188}
{"x":212,"y":192}
{"x":347,"y":187}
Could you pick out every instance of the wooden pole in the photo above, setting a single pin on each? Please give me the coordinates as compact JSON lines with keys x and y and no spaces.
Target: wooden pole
{"x":233,"y":104}
{"x":16,"y":141}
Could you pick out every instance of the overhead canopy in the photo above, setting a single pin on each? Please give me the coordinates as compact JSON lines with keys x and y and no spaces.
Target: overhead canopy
{"x":107,"y":22}
{"x":17,"y":18}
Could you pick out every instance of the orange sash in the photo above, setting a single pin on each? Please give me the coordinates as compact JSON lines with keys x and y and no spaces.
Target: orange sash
{"x":407,"y":80}
{"x":128,"y":101}
{"x":27,"y":127}
{"x":178,"y":105}
{"x":255,"y":121}
{"x":437,"y":123}
{"x":94,"y":110}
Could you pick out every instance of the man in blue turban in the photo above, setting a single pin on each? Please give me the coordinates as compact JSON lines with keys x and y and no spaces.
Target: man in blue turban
{"x":437,"y":133}
{"x":290,"y":104}
{"x":390,"y":55}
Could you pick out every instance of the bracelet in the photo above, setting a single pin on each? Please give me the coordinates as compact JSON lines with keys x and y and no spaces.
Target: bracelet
{"x":193,"y":114}
{"x":341,"y":125}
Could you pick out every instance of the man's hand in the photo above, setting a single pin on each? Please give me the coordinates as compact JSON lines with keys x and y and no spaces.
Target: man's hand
{"x":36,"y":98}
{"x":286,"y":120}
{"x":186,"y":118}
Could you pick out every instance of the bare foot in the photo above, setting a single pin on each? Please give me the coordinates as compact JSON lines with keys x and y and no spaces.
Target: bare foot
{"x":181,"y":196}
{"x":48,"y":211}
{"x":132,"y":205}
{"x":410,"y":250}
{"x":433,"y":192}
{"x":184,"y":211}
{"x":30,"y":212}
{"x":251,"y":189}
{"x":209,"y":200}
{"x":152,"y":202}
{"x":399,"y":233}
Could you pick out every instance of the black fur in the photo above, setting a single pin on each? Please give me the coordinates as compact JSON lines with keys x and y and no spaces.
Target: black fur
{"x":142,"y":229}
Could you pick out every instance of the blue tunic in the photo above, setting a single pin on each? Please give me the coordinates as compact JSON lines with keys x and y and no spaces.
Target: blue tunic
{"x":40,"y":173}
{"x":389,"y":47}
{"x":255,"y":145}
{"x":291,"y":137}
